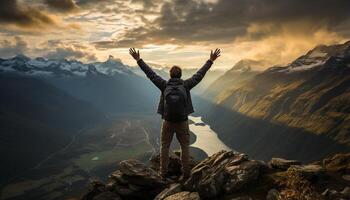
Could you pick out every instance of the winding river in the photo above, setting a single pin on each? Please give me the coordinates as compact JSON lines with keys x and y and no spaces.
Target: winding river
{"x":206,"y":138}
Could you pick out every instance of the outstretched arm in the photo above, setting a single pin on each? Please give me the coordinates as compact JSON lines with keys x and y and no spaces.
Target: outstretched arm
{"x":199,"y":75}
{"x":156,"y":80}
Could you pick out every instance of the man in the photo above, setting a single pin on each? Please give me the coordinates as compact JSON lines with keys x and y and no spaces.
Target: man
{"x":175,"y":105}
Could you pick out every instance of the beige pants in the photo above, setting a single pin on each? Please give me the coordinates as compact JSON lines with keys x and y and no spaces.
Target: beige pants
{"x":183,"y":136}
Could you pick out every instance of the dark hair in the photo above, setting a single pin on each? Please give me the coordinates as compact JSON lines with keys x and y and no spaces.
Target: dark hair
{"x":175,"y":72}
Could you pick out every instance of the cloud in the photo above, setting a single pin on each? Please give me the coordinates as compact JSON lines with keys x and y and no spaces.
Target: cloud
{"x":9,"y":48}
{"x":196,"y":21}
{"x":62,"y":5}
{"x":12,"y":12}
{"x":60,"y":50}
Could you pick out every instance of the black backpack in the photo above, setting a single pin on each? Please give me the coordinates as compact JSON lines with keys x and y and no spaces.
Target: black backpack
{"x":175,"y":98}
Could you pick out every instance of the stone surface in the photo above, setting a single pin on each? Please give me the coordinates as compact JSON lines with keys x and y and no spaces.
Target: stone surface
{"x":223,"y":172}
{"x":280,"y":163}
{"x":137,"y":173}
{"x":184,"y":196}
{"x":308,"y":172}
{"x":273,"y":194}
{"x":172,"y":189}
{"x":346,"y":192}
{"x":242,"y":198}
{"x":227,"y":175}
{"x":338,"y":163}
{"x":107,"y":196}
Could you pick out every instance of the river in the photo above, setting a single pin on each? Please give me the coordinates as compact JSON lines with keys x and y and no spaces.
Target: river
{"x":206,"y":138}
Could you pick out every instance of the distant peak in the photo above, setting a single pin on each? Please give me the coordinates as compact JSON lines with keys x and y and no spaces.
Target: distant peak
{"x":247,"y":65}
{"x":112,"y":59}
{"x":22,"y":57}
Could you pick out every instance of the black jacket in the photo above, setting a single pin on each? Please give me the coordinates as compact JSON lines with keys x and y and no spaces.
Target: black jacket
{"x":188,"y":83}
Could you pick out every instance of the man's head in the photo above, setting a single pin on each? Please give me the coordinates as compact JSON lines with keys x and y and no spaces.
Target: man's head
{"x":175,"y":72}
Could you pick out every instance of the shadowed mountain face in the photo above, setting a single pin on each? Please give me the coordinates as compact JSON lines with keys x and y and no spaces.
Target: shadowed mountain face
{"x":241,"y":72}
{"x":300,"y":110}
{"x":36,"y":120}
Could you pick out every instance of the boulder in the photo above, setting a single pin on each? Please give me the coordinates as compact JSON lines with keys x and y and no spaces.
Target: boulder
{"x":273,"y":194}
{"x":223,"y":172}
{"x":310,"y":172}
{"x":338,"y":163}
{"x":241,"y":175}
{"x":346,"y":177}
{"x":280,"y":163}
{"x":184,"y":196}
{"x":136,"y":173}
{"x":172,"y":189}
{"x":346,"y":192}
{"x":94,"y":189}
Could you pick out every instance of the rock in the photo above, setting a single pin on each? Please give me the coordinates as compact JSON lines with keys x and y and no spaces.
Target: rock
{"x":346,"y":177}
{"x":118,"y":177}
{"x":172,"y":189}
{"x":184,"y":196}
{"x":241,"y":175}
{"x":242,"y":198}
{"x":273,"y":194}
{"x":280,"y":163}
{"x":174,"y":167}
{"x":223,"y":172}
{"x":137,"y":173}
{"x":331,"y":194}
{"x":309,"y":172}
{"x":346,"y":192}
{"x":338,"y":163}
{"x":94,"y":189}
{"x":107,"y":196}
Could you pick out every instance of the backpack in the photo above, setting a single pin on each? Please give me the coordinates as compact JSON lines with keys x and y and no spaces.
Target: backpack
{"x":175,"y":98}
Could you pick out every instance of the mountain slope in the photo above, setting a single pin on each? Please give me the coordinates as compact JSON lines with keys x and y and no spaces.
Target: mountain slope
{"x":242,"y":71}
{"x":110,"y":86}
{"x":294,"y":109}
{"x":36,"y":120}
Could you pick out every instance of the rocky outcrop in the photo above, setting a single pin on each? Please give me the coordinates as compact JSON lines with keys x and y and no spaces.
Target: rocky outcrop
{"x":280,"y":163}
{"x":224,"y":172}
{"x":225,"y":175}
{"x":338,"y":163}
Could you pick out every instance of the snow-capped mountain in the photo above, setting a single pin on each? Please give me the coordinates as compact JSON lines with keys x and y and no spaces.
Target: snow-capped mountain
{"x":316,"y":57}
{"x":43,"y":66}
{"x":113,"y":66}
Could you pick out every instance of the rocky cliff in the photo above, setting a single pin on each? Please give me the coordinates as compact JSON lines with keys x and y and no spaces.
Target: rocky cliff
{"x":228,"y":175}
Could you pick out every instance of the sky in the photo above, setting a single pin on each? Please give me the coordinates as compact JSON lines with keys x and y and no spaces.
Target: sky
{"x":172,"y":32}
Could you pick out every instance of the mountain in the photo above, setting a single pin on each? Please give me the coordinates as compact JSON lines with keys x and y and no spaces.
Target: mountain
{"x":37,"y":119}
{"x":110,"y":86}
{"x":242,"y":71}
{"x":228,"y":175}
{"x":300,"y":110}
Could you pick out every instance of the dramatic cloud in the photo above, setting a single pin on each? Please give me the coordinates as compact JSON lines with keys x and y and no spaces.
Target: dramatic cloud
{"x":62,"y":5}
{"x":176,"y":31}
{"x":183,"y":21}
{"x":9,"y":48}
{"x":60,"y":50}
{"x":12,"y":12}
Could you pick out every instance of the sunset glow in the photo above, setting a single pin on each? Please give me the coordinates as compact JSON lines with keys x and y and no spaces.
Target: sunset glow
{"x":178,"y":32}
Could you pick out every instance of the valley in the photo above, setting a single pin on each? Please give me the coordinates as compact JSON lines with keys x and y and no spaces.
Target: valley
{"x":91,"y":154}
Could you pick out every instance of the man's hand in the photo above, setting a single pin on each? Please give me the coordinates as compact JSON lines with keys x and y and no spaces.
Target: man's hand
{"x":215,"y":55}
{"x":135,"y":54}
